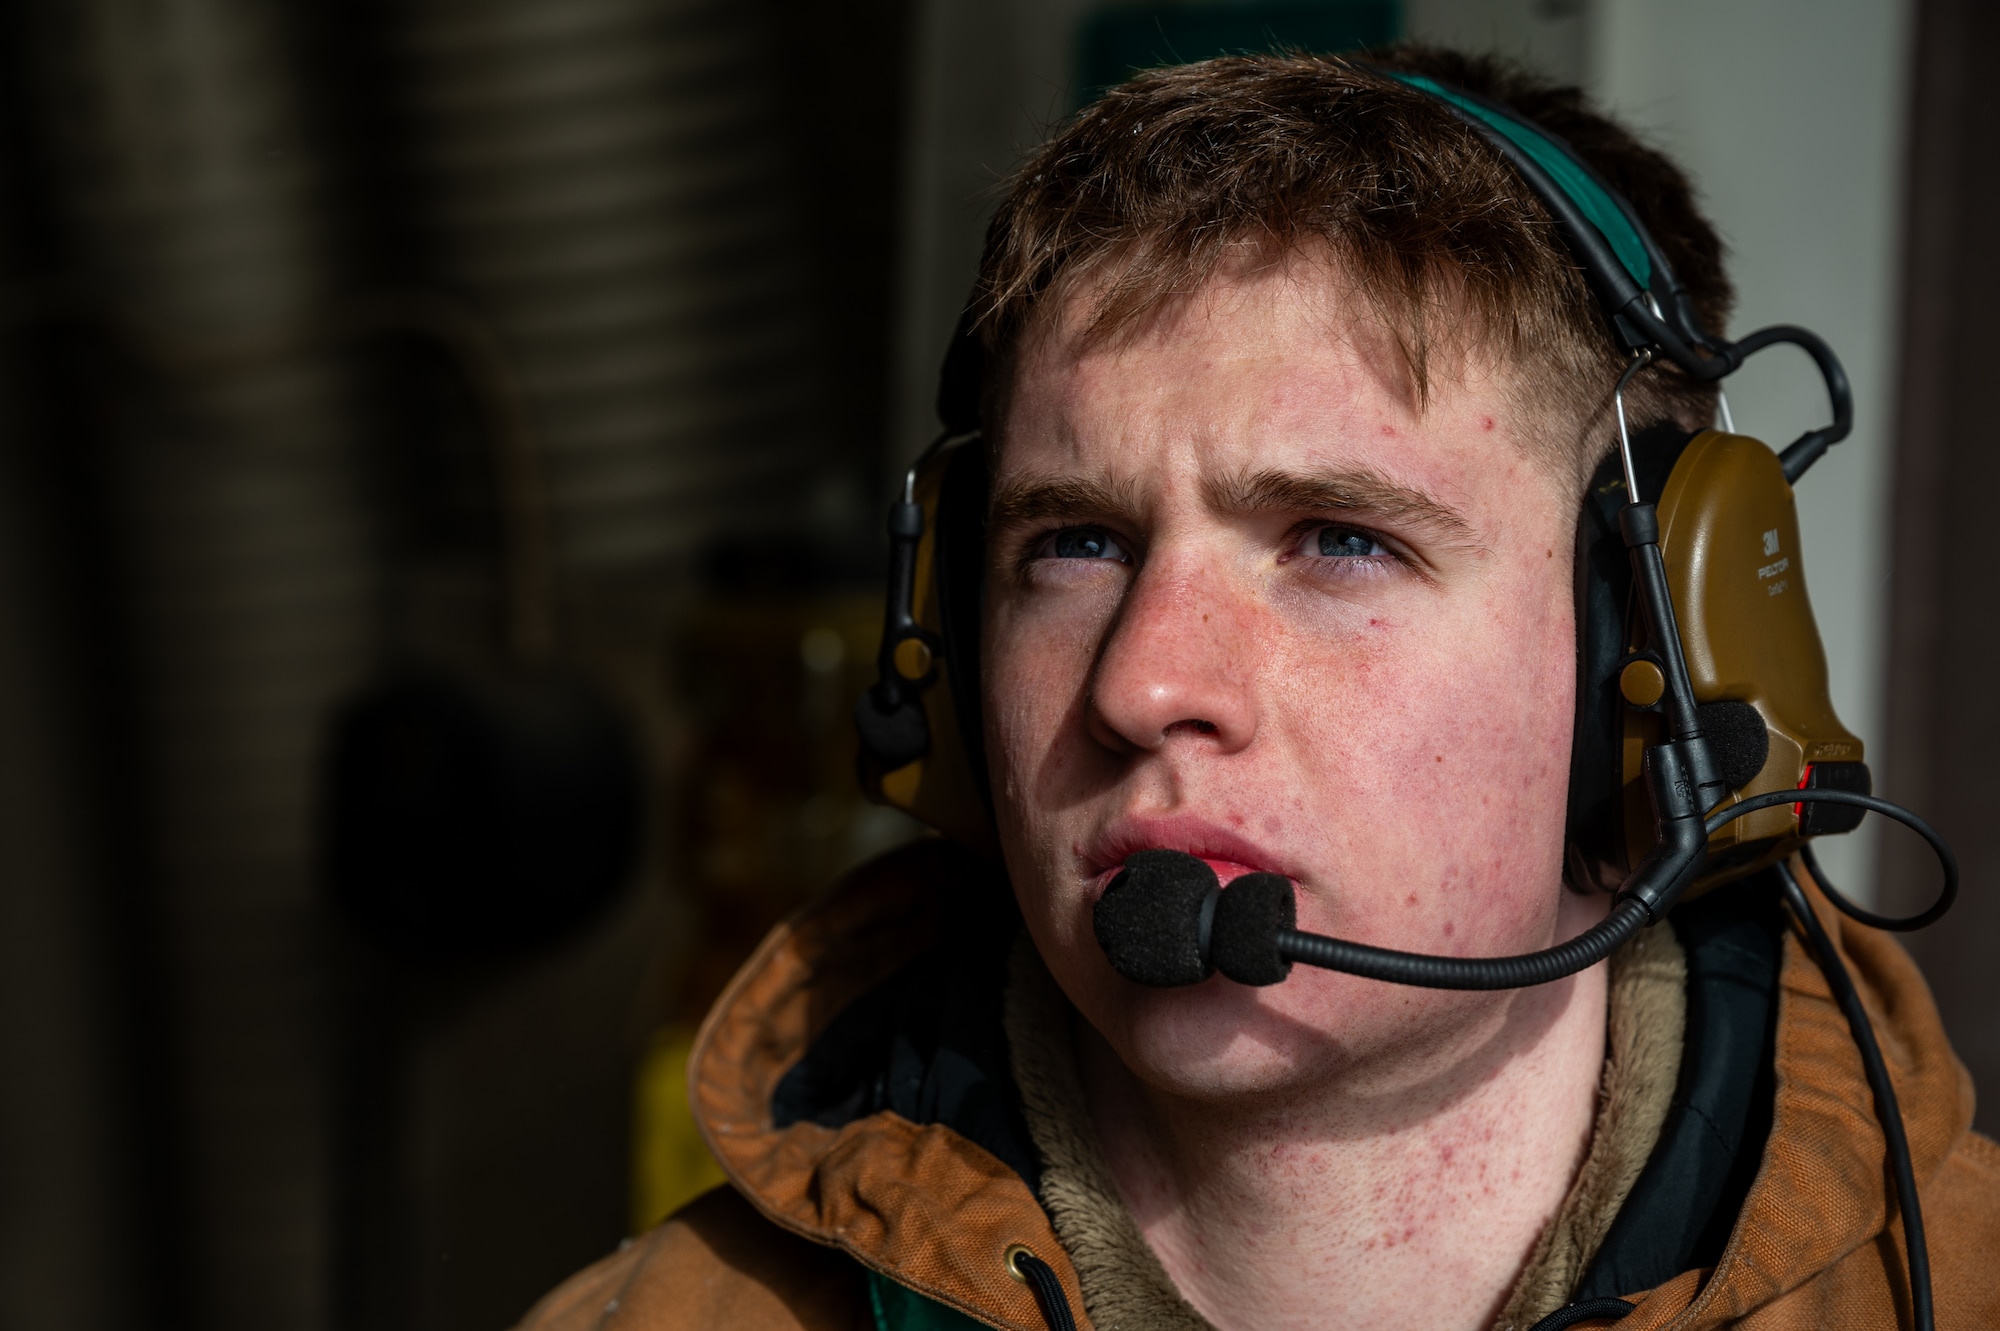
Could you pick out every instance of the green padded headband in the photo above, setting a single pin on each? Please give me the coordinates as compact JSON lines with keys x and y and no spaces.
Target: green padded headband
{"x":1590,"y":197}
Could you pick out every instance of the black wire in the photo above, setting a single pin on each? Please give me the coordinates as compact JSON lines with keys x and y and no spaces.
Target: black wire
{"x":1049,"y":1296}
{"x":1946,"y":860}
{"x":1571,"y":1314}
{"x":1802,"y":452}
{"x":1916,"y":1251}
{"x":1893,"y":923}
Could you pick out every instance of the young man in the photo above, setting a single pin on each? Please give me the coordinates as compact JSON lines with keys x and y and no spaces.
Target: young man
{"x":1291,"y":396}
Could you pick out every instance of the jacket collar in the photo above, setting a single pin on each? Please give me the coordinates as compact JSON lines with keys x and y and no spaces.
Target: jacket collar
{"x":867,"y":1163}
{"x":907,"y":1149}
{"x":1681,"y":1209}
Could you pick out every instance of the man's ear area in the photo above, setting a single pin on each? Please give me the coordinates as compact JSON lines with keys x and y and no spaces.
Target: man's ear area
{"x":1595,"y":436}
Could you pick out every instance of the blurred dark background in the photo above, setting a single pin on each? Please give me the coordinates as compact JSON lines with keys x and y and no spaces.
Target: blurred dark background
{"x":442,"y":445}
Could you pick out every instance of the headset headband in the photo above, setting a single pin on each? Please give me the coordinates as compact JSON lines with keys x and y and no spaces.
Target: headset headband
{"x":1578,"y":184}
{"x":1647,"y":306}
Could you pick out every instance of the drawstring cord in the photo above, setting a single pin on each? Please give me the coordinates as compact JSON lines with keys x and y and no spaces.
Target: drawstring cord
{"x":1583,"y":1312}
{"x":1040,"y":1277}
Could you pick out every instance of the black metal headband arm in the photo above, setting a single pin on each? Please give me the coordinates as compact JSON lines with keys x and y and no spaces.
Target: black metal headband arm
{"x":1640,"y":318}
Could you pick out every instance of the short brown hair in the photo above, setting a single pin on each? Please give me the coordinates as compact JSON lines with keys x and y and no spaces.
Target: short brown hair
{"x":1147,"y":192}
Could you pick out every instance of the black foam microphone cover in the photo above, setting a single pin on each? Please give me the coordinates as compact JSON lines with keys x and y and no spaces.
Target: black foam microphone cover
{"x":1248,"y":917}
{"x":1153,"y":921}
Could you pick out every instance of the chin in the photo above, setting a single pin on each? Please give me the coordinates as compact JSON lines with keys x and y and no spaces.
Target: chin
{"x":1216,"y":1040}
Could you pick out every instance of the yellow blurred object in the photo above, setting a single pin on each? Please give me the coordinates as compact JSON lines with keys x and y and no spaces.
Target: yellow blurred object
{"x":771,"y":813}
{"x":671,"y":1164}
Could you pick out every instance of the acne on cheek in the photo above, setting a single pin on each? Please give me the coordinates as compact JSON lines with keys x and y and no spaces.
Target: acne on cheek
{"x":1462,"y":807}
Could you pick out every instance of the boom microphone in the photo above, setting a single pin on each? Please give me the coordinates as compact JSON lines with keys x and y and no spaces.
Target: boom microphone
{"x":1166,"y":920}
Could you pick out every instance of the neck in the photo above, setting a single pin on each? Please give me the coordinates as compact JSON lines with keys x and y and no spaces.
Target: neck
{"x":1337,"y":1205}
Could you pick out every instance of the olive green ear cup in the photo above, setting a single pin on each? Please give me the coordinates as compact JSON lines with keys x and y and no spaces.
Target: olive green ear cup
{"x":944,"y":786}
{"x":1729,"y":533}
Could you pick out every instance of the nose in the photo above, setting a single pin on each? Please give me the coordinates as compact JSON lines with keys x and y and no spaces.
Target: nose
{"x":1178,"y":664}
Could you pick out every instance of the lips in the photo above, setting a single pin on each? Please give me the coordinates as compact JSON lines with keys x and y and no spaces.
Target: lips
{"x":1229,"y":853}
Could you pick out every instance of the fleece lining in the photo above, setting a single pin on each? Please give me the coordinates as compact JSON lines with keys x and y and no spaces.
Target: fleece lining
{"x":1124,"y":1286}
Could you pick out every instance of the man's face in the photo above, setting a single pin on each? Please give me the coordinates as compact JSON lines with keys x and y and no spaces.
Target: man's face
{"x":1245,"y":598}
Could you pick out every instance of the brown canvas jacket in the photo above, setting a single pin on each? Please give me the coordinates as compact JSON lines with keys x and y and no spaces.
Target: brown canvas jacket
{"x":881,"y":1222}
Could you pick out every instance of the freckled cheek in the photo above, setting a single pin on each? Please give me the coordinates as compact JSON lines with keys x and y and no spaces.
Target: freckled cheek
{"x":1022,"y":682}
{"x":1454,"y":738}
{"x":1031,"y":664}
{"x":1035,"y":673}
{"x":1507,"y":784}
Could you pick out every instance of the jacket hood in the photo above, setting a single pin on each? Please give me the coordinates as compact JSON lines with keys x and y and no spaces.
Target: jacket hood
{"x":853,"y":1081}
{"x":903,"y":1164}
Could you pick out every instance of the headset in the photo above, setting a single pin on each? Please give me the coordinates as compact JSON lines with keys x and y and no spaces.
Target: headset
{"x":1706,"y":746}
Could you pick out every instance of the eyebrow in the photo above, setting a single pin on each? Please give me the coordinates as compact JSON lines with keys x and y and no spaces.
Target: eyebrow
{"x":1036,"y":499}
{"x":1359,"y":493}
{"x":1353,"y":492}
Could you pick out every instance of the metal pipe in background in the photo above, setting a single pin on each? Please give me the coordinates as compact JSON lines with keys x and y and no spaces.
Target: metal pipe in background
{"x":607,"y":184}
{"x":606,"y":180}
{"x":196,"y":231}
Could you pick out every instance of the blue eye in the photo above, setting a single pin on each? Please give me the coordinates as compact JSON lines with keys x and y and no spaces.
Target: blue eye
{"x":1346,"y":543}
{"x":1082,"y":543}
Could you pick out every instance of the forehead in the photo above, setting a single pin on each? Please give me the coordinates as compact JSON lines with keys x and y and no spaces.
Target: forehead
{"x":1281,"y":362}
